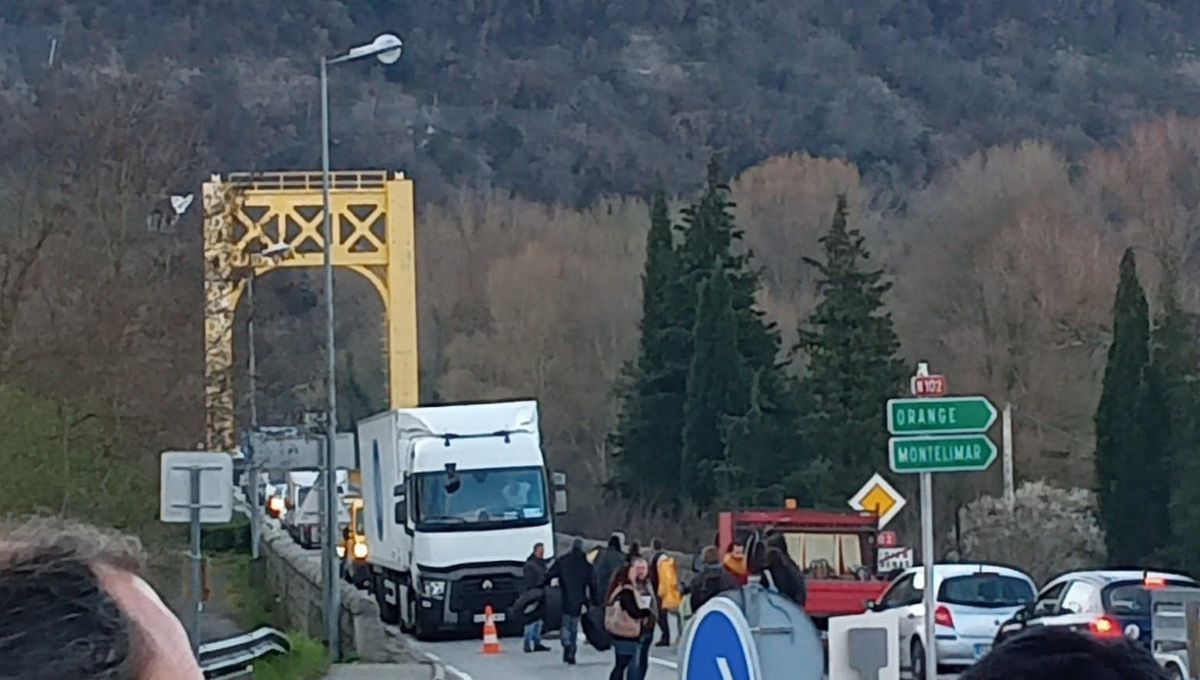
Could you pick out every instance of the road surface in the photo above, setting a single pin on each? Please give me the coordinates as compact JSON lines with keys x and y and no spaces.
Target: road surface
{"x":464,"y":661}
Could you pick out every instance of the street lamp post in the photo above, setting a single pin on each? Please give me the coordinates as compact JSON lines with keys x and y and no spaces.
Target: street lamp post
{"x":386,"y":48}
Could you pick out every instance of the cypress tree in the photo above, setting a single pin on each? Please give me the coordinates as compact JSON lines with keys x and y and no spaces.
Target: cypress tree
{"x":1125,"y":448}
{"x":647,"y":438}
{"x":716,"y":385}
{"x":852,"y":367}
{"x":1174,"y":384}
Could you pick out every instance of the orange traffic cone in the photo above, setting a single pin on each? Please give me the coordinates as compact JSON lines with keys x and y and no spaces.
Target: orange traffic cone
{"x":491,"y":641}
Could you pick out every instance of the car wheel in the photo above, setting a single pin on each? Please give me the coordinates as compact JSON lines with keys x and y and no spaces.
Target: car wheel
{"x":917,"y":656}
{"x":1174,"y":673}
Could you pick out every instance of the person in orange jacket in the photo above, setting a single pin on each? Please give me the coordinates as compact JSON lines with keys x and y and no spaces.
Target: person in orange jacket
{"x":735,"y":563}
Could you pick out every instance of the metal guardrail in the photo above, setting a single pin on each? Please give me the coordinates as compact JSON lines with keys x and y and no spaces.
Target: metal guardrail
{"x":232,"y":657}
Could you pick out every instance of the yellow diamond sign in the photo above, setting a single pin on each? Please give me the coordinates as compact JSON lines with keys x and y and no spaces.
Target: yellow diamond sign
{"x":877,"y":496}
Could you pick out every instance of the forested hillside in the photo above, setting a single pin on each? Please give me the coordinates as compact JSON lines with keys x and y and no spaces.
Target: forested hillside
{"x":568,"y":100}
{"x":996,"y":158}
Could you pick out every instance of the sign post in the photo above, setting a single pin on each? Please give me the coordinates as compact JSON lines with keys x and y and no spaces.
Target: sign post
{"x":936,"y":433}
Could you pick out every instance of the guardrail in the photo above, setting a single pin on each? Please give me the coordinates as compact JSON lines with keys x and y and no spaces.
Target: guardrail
{"x":232,"y":657}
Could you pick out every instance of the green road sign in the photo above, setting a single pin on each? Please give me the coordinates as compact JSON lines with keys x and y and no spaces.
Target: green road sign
{"x":945,"y":415}
{"x":961,"y":453}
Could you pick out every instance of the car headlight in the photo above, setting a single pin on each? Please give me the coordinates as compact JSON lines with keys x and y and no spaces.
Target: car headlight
{"x":361,"y":551}
{"x":433,"y":588}
{"x":341,"y":551}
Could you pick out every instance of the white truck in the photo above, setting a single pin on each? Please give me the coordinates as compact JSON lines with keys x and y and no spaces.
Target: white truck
{"x":303,"y":521}
{"x":454,"y":499}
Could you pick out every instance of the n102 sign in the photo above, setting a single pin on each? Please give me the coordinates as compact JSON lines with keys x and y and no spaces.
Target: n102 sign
{"x":928,"y":385}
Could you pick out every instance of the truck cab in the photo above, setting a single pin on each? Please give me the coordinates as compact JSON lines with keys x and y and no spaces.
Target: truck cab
{"x":836,"y":550}
{"x":454,"y":499}
{"x":355,"y":549}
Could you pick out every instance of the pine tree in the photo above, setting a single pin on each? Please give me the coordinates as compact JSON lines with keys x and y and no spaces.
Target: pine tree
{"x":1174,"y":385}
{"x":1127,"y":455}
{"x":647,"y":439}
{"x":850,"y":344}
{"x":716,"y":387}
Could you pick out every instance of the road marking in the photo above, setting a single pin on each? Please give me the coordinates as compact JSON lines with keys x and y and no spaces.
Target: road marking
{"x":663,"y":662}
{"x":722,"y":664}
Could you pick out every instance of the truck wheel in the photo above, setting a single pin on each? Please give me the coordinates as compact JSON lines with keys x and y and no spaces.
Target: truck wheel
{"x":1174,"y":673}
{"x":419,"y":631}
{"x":917,"y":656}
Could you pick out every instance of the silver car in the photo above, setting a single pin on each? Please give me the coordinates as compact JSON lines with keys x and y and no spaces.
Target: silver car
{"x":973,"y":600}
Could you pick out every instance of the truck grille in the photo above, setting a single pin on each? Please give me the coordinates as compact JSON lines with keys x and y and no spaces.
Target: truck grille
{"x":469,"y":595}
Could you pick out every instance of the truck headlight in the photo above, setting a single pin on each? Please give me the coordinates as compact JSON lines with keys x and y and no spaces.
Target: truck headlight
{"x":433,"y":588}
{"x":341,"y":551}
{"x":361,"y":551}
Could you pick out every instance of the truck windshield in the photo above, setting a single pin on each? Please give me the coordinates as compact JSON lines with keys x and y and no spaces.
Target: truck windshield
{"x":477,"y":499}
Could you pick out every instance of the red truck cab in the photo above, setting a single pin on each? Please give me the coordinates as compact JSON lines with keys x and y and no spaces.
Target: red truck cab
{"x":836,"y":550}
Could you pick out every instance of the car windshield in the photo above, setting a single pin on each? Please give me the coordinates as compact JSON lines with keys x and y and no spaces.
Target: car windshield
{"x":986,"y":590}
{"x":1133,"y":598}
{"x":473,"y":497}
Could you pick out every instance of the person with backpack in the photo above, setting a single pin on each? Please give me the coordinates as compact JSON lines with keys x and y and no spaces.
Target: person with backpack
{"x":534,"y":577}
{"x":785,"y":574}
{"x":608,"y":563}
{"x":625,"y":612}
{"x":574,"y":574}
{"x":664,"y":577}
{"x":712,"y":579}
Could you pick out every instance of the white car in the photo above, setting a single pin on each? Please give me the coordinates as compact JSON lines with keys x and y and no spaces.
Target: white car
{"x":973,"y":600}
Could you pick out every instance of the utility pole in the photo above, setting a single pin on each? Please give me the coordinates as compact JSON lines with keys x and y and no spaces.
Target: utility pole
{"x":1010,"y":491}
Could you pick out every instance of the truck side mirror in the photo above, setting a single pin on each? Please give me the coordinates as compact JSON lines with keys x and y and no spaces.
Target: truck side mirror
{"x":401,"y":509}
{"x":559,"y":480}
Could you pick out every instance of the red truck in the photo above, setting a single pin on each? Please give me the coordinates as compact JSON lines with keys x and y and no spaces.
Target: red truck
{"x":836,"y":550}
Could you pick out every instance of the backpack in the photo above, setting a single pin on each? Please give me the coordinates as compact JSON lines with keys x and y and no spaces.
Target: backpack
{"x":711,"y":584}
{"x":668,"y":584}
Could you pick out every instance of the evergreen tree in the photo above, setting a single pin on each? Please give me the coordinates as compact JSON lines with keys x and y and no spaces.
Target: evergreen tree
{"x":1174,"y":385}
{"x":716,"y":387}
{"x":1127,"y":455}
{"x":850,"y":344}
{"x":647,"y":439}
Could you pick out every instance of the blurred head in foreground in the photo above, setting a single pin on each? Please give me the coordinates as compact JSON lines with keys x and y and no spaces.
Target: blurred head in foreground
{"x":1058,"y":654}
{"x":72,"y":605}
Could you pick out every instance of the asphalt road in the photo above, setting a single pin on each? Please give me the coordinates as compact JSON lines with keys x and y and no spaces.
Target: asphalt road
{"x":465,"y":661}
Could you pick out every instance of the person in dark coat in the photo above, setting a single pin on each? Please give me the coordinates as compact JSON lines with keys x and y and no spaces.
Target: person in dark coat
{"x":575,"y":579}
{"x":785,"y":574}
{"x":534,"y":576}
{"x":712,"y":579}
{"x":607,"y":564}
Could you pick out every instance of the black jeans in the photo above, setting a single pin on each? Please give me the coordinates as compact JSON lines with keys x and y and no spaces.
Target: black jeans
{"x":663,"y":624}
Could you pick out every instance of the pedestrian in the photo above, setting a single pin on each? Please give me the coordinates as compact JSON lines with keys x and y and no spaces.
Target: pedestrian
{"x":623,"y":619}
{"x":664,"y":576}
{"x":786,"y":576}
{"x":635,"y":551}
{"x":74,"y":606}
{"x":712,"y":579}
{"x":736,"y":564}
{"x":1053,"y":653}
{"x":534,"y":577}
{"x":647,"y":599}
{"x":607,"y":564}
{"x":575,"y":578}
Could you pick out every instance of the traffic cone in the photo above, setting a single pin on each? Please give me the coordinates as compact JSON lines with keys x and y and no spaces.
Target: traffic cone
{"x":491,"y":641}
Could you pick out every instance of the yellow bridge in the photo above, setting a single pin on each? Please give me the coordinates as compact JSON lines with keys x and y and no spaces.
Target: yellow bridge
{"x":256,"y":223}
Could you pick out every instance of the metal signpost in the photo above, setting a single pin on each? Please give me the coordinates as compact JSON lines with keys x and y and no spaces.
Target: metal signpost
{"x":196,"y":487}
{"x":936,"y":434}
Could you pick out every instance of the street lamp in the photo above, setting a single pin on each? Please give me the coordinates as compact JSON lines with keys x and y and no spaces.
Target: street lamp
{"x":386,"y":48}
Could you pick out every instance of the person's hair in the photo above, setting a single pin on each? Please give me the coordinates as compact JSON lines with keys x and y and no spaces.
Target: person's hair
{"x":737,"y":543}
{"x":1057,"y":654}
{"x":620,"y":579}
{"x":635,"y":550}
{"x":614,"y":542}
{"x":59,"y":621}
{"x":774,"y":557}
{"x":710,"y":555}
{"x":656,"y":544}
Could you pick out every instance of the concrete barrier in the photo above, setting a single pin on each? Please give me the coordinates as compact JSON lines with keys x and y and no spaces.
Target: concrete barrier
{"x":294,"y":575}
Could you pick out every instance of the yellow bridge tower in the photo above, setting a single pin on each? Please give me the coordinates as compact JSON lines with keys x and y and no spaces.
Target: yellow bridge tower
{"x":256,"y":223}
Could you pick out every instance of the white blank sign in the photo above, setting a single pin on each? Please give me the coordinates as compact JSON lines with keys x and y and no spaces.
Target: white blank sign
{"x":216,"y":486}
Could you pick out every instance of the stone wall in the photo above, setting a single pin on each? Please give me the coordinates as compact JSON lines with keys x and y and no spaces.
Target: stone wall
{"x":294,"y":575}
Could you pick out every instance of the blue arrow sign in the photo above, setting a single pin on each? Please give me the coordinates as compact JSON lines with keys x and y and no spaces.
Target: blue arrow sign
{"x":719,"y":645}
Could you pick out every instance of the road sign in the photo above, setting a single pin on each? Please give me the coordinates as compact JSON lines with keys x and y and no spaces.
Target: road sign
{"x":215,"y":477}
{"x":879,"y":497}
{"x":719,"y":645}
{"x":945,"y":415}
{"x":961,"y":453}
{"x":887,"y":539}
{"x":892,"y":559}
{"x":927,"y":385}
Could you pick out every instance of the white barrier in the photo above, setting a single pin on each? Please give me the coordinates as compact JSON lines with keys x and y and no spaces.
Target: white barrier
{"x":864,"y":647}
